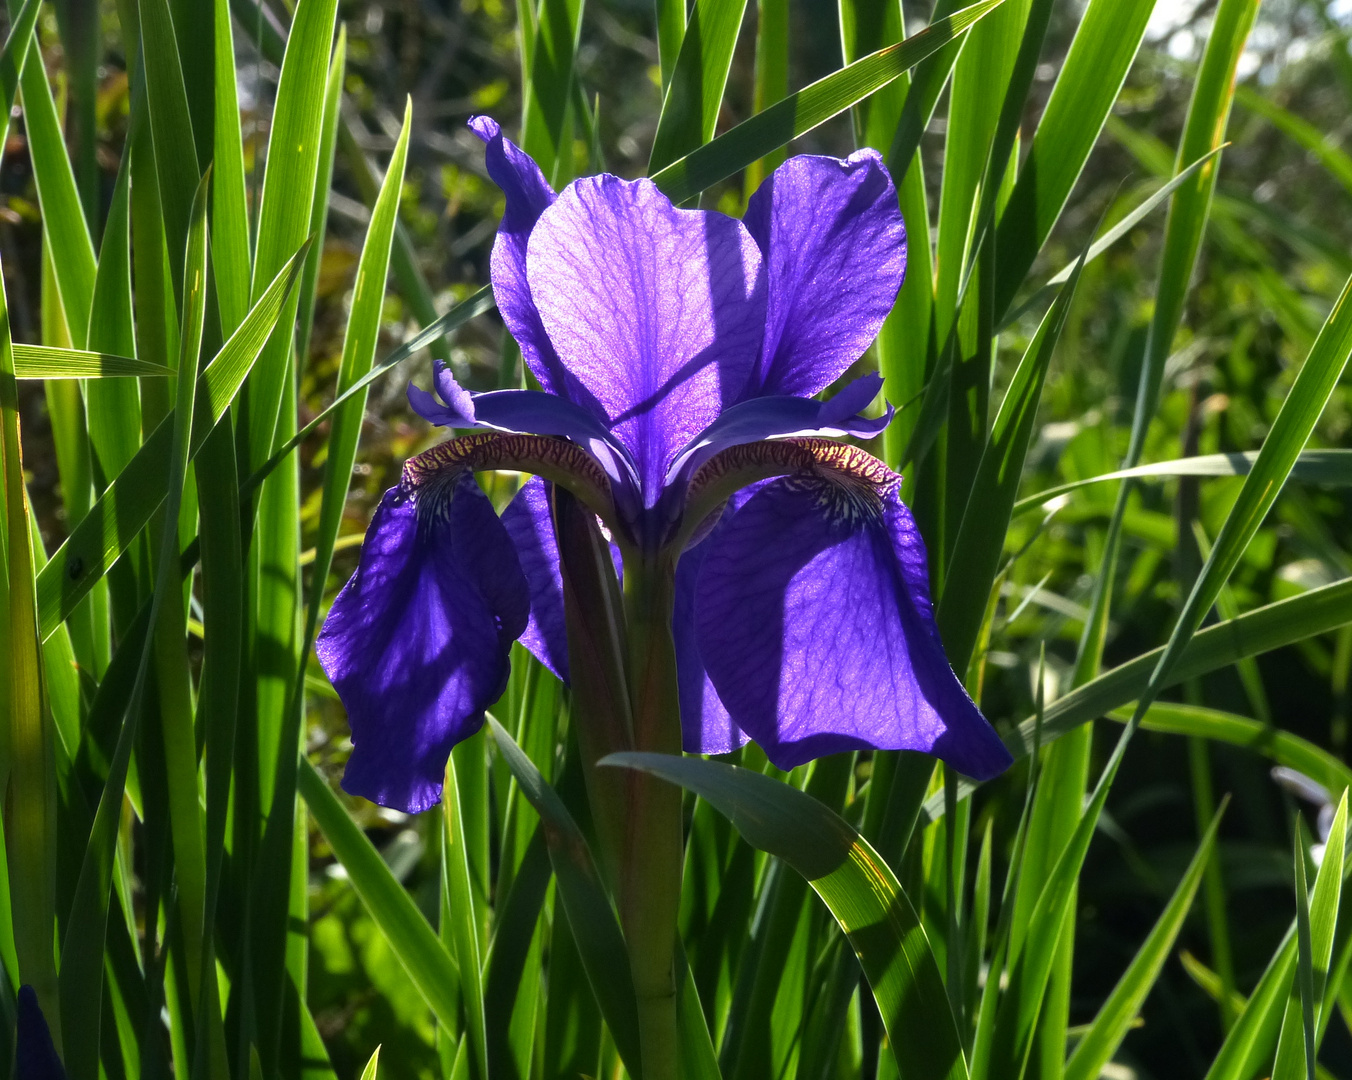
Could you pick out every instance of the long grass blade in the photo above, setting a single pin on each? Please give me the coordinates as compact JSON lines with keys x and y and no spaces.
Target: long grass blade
{"x":800,"y":112}
{"x":1111,"y":236}
{"x":1330,"y":467}
{"x":1261,"y":630}
{"x":1102,"y":51}
{"x":595,"y":928}
{"x":1115,"y":1016}
{"x":124,"y":508}
{"x":52,"y":362}
{"x":63,"y":215}
{"x":30,"y":830}
{"x":82,"y":948}
{"x":985,"y":519}
{"x":695,"y":92}
{"x":359,"y":347}
{"x":413,"y":941}
{"x":855,"y":883}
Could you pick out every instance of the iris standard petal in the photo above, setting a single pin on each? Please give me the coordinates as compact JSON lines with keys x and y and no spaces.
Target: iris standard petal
{"x":834,"y":245}
{"x":416,"y":643}
{"x":706,"y":727}
{"x":658,"y":312}
{"x":530,"y":524}
{"x":778,"y":417}
{"x":528,"y":195}
{"x":816,"y":631}
{"x":529,"y":412}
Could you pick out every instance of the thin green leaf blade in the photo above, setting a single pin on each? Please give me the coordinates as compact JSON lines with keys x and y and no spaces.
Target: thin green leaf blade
{"x":287,"y":199}
{"x":63,"y":217}
{"x":595,"y":928}
{"x":477,"y":304}
{"x":51,"y":362}
{"x":230,"y":238}
{"x":855,"y":883}
{"x":1287,"y":438}
{"x":1115,"y":1016}
{"x":359,"y":347}
{"x":82,"y":959}
{"x":1330,"y":467}
{"x":695,"y":93}
{"x":546,"y":131}
{"x":1128,"y":222}
{"x":464,"y":931}
{"x":802,"y":111}
{"x":124,"y":508}
{"x":413,"y":941}
{"x":981,"y":534}
{"x":1102,"y":51}
{"x":1261,"y":630}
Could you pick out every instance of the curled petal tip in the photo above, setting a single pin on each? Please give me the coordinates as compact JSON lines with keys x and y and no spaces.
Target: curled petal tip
{"x":485,"y":127}
{"x":455,"y":407}
{"x":865,"y":156}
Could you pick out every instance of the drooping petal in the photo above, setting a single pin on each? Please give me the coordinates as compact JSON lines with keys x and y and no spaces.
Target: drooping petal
{"x":815,"y":625}
{"x":779,"y":417}
{"x":706,"y":727}
{"x":528,"y":195}
{"x":416,"y":643}
{"x":530,"y":525}
{"x":658,"y":312}
{"x":529,"y":412}
{"x":834,"y":245}
{"x":35,"y":1054}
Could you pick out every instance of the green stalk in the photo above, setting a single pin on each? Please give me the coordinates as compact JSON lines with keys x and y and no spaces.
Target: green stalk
{"x":30,"y":829}
{"x":596,"y":635}
{"x":650,"y":871}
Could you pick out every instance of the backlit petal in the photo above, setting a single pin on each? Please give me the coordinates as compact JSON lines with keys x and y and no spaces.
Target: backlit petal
{"x":658,"y":312}
{"x":530,"y":525}
{"x":416,"y":643}
{"x":834,"y":246}
{"x":706,"y":727}
{"x":529,"y":412}
{"x":814,"y":622}
{"x":779,"y":417}
{"x":528,"y":195}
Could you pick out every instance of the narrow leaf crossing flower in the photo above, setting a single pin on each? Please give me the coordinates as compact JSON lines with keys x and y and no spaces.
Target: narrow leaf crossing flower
{"x":678,"y":352}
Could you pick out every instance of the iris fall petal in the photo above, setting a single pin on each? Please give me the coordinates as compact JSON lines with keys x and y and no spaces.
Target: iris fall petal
{"x":416,"y":643}
{"x":816,"y":630}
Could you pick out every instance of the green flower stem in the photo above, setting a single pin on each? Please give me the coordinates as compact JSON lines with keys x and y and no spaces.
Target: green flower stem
{"x":594,"y":615}
{"x":28,"y":765}
{"x":623,"y":665}
{"x":650,"y":873}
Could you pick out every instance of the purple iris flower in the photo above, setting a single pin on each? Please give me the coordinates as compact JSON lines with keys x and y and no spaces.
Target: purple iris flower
{"x":678,"y":352}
